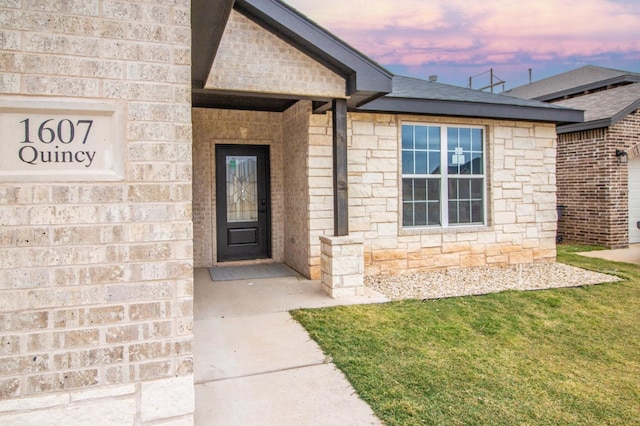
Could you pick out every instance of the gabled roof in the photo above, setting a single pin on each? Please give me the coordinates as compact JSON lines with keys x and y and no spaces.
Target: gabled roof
{"x":365,"y":79}
{"x":573,"y":82}
{"x":603,"y":109}
{"x":412,"y":95}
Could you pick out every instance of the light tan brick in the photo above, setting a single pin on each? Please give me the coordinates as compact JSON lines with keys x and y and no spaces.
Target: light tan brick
{"x":9,"y":388}
{"x":76,"y":256}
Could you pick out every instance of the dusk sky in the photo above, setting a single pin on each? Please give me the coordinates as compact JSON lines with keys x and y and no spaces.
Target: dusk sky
{"x":456,"y":39}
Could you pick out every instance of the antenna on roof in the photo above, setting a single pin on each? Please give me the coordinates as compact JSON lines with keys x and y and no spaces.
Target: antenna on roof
{"x":530,"y":76}
{"x":494,"y":81}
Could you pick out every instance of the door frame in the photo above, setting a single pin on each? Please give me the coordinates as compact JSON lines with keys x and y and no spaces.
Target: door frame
{"x":633,"y":169}
{"x":265,"y":213}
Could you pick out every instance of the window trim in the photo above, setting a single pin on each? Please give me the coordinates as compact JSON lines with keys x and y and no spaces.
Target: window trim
{"x":444,"y":177}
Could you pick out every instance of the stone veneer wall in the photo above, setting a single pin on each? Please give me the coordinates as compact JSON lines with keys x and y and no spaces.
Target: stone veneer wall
{"x":593,"y":186}
{"x":96,"y":279}
{"x":211,"y":127}
{"x":521,"y":196}
{"x":252,"y":59}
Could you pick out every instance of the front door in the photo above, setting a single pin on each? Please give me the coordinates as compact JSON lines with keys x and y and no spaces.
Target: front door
{"x":242,"y":202}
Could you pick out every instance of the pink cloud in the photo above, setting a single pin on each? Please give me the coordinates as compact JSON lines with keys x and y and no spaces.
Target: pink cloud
{"x":415,"y":32}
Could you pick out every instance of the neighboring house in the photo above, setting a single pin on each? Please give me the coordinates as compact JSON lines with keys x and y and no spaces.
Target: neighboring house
{"x":141,"y":139}
{"x":598,"y":170}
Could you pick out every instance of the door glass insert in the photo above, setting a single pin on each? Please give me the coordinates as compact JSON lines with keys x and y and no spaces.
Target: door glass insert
{"x":242,"y":188}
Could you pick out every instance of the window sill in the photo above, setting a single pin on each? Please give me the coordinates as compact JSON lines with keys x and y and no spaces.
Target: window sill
{"x":448,"y":230}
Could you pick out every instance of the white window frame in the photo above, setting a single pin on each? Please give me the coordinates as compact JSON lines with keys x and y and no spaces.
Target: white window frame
{"x":444,"y":177}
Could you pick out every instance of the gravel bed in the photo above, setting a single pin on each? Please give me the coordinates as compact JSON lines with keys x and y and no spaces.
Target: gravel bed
{"x":483,"y":280}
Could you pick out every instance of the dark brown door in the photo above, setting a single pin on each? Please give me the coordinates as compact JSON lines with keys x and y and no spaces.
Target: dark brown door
{"x":242,"y":202}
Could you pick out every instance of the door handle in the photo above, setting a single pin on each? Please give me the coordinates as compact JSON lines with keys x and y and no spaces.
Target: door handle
{"x":263,"y":205}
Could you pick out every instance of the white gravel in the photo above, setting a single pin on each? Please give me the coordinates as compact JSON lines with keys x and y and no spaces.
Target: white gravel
{"x":483,"y":280}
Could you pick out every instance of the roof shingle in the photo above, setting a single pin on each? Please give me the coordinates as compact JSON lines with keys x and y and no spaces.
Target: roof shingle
{"x":577,"y":79}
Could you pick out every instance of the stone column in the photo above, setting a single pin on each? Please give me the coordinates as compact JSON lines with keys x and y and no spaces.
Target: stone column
{"x":342,"y":266}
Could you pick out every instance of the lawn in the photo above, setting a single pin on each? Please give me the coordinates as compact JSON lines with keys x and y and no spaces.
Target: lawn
{"x":552,"y":357}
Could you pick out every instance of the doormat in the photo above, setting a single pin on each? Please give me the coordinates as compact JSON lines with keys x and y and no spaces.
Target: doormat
{"x":250,"y":272}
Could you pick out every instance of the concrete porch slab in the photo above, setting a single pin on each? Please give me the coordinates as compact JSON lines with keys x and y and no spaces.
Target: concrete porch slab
{"x":254,"y":297}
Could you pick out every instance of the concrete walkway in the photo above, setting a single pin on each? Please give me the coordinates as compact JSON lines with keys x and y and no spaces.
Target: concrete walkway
{"x":628,"y":255}
{"x":254,"y":365}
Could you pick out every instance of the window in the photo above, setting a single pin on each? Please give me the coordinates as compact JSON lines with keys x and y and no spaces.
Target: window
{"x":442,"y":176}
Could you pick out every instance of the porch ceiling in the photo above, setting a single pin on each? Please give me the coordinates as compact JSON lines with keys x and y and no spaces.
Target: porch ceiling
{"x":203,"y":98}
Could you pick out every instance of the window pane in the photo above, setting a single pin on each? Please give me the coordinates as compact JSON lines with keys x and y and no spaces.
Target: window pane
{"x":464,"y":211}
{"x":453,"y":212}
{"x":477,"y":212}
{"x":476,"y":140}
{"x":407,"y":214}
{"x":476,"y":189}
{"x":452,"y":138}
{"x":467,"y":168}
{"x":407,"y":163}
{"x":407,"y":189}
{"x":434,"y":163}
{"x":420,"y":189}
{"x":459,"y":212}
{"x":464,"y":189}
{"x":464,"y":140}
{"x":420,"y":218}
{"x":434,"y":189}
{"x":407,"y":137}
{"x":420,"y":137}
{"x":421,"y":162}
{"x":434,"y":214}
{"x":434,"y":138}
{"x":242,"y":189}
{"x":453,"y":189}
{"x":453,"y":159}
{"x":477,"y":164}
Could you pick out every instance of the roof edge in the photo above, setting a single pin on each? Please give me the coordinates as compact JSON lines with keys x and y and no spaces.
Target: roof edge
{"x":626,"y":111}
{"x":474,"y":109}
{"x":581,"y":127}
{"x":362,"y":73}
{"x":206,"y":36}
{"x":627,"y":78}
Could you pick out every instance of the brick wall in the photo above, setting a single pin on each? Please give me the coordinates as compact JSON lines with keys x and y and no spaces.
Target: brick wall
{"x":298,"y":204}
{"x":251,"y":59}
{"x":521,"y":196}
{"x":96,"y":279}
{"x":593,"y":186}
{"x":212,"y":127}
{"x":622,"y":135}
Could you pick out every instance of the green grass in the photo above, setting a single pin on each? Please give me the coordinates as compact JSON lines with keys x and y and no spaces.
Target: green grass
{"x":552,"y":357}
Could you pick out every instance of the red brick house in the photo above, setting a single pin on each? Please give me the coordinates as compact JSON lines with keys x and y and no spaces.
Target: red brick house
{"x":598,"y":165}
